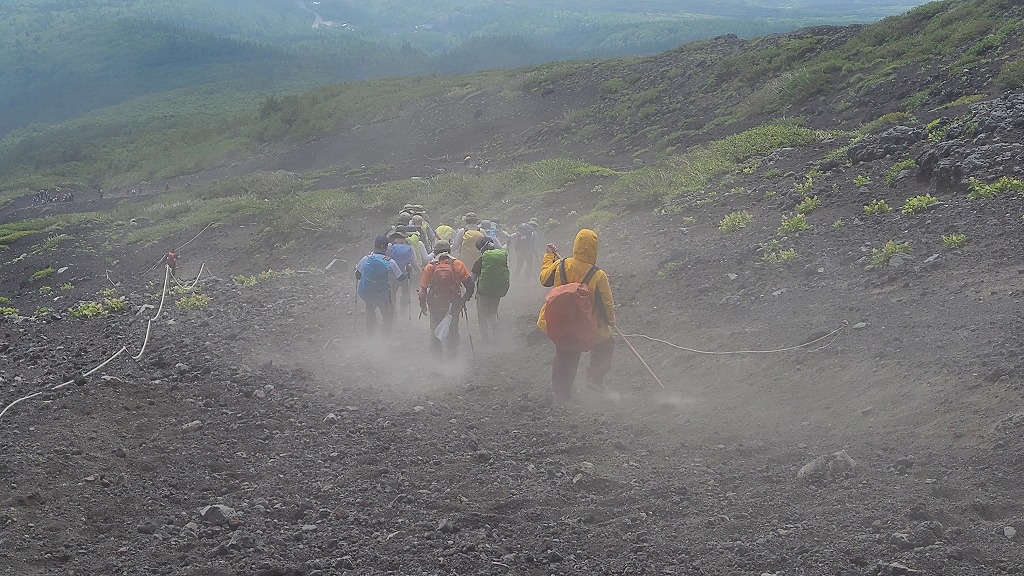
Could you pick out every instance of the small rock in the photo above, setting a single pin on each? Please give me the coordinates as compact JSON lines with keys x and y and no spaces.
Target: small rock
{"x":331,"y":419}
{"x":192,"y":426}
{"x":931,"y":259}
{"x":867,"y":411}
{"x":732,"y":276}
{"x":1010,"y":532}
{"x":219,"y":515}
{"x":219,"y":550}
{"x":181,"y":367}
{"x":62,"y":269}
{"x":860,"y":325}
{"x":146,"y":528}
{"x":239,"y":541}
{"x":446,"y":526}
{"x":190,"y":531}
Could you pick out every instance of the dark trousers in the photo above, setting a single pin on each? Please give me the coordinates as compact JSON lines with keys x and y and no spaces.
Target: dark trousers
{"x":526,"y":263}
{"x":563,"y":369}
{"x":405,"y":301}
{"x":387,"y":313}
{"x":438,"y":310}
{"x":487,"y":318}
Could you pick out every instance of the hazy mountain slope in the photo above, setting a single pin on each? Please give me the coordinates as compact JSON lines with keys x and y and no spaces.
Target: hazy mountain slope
{"x":57,"y":62}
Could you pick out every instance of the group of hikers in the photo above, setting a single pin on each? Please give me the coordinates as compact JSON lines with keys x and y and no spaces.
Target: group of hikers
{"x":473,"y":261}
{"x":53,"y":196}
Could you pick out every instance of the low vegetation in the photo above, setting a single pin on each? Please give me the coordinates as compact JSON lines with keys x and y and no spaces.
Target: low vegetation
{"x":95,"y":308}
{"x":918,"y":204}
{"x":794,"y":223}
{"x":44,"y":273}
{"x":897,"y":169}
{"x":194,"y":301}
{"x":876,"y":207}
{"x":978,"y":190}
{"x":881,"y":256}
{"x":735,"y":221}
{"x":953,"y":241}
{"x":772,"y":252}
{"x":255,"y":279}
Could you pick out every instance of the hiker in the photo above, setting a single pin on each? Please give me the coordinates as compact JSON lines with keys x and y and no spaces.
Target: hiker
{"x":374,"y":273}
{"x":464,"y":245}
{"x":581,"y":268}
{"x":171,"y":260}
{"x":441,"y":294}
{"x":524,"y":247}
{"x":424,"y":231}
{"x":445,"y":232}
{"x":404,"y":255}
{"x":490,"y":274}
{"x":491,"y":230}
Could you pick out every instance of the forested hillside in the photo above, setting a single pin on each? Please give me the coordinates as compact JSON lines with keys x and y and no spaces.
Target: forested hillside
{"x":59,"y":61}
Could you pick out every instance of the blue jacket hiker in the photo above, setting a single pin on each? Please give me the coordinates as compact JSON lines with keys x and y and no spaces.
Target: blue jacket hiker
{"x":374,"y":273}
{"x":404,"y":255}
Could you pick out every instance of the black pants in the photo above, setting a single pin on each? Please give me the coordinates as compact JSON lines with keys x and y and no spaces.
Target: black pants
{"x":387,"y":313}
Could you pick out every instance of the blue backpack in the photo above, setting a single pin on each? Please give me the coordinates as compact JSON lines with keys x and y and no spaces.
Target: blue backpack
{"x":374,"y":279}
{"x":403,"y":255}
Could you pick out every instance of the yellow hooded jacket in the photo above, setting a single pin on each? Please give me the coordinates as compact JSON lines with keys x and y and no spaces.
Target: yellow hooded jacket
{"x":584,"y":256}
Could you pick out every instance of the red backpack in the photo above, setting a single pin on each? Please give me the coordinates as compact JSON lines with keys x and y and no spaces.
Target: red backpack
{"x":569,"y":313}
{"x":444,"y":283}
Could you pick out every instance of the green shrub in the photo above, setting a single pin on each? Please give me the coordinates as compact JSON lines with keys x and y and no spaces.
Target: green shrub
{"x":877,"y":207}
{"x":44,"y":273}
{"x":43,"y":311}
{"x":89,"y":309}
{"x":7,"y":311}
{"x":261,"y":277}
{"x":773,"y":253}
{"x":954,"y":240}
{"x":978,"y":190}
{"x":67,"y":287}
{"x":890,"y":177}
{"x":794,"y":223}
{"x":108,"y":292}
{"x":596,"y":219}
{"x":735,"y":221}
{"x":807,"y":205}
{"x":668,"y":268}
{"x":918,"y":204}
{"x":45,"y":290}
{"x":5,"y":300}
{"x":881,"y":257}
{"x":861,"y":180}
{"x":838,"y":224}
{"x":194,"y":301}
{"x":1012,"y":75}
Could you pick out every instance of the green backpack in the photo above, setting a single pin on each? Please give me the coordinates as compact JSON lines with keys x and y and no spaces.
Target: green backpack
{"x":493,"y":281}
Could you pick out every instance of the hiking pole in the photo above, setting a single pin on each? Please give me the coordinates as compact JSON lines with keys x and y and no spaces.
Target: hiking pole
{"x":638,"y":357}
{"x":469,"y":332}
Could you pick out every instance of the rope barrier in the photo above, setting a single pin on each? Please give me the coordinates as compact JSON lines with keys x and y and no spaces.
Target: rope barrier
{"x":149,"y":325}
{"x":833,"y":334}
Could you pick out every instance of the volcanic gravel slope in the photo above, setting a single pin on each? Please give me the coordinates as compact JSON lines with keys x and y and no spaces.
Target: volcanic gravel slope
{"x":266,"y":434}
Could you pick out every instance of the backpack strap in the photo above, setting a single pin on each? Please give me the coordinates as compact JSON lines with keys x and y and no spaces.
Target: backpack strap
{"x":586,"y":279}
{"x":561,"y":270}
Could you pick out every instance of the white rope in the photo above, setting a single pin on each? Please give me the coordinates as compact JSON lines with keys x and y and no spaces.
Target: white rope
{"x":59,"y":386}
{"x":194,"y":237}
{"x":149,"y":325}
{"x":833,"y":334}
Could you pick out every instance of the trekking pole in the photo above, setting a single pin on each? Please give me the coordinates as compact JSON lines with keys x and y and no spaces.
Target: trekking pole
{"x":469,"y":332}
{"x":640,"y":358}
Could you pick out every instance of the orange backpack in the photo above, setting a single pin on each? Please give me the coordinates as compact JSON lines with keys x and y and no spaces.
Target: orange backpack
{"x":569,"y":313}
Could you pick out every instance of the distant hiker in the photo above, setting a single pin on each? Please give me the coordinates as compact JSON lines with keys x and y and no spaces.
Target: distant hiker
{"x":171,"y":260}
{"x":464,"y":245}
{"x":404,"y":255}
{"x":524,"y":245}
{"x":577,"y":317}
{"x":441,"y":294}
{"x":375,"y":273}
{"x":491,"y":230}
{"x":445,"y":232}
{"x":423,"y":230}
{"x":490,"y":273}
